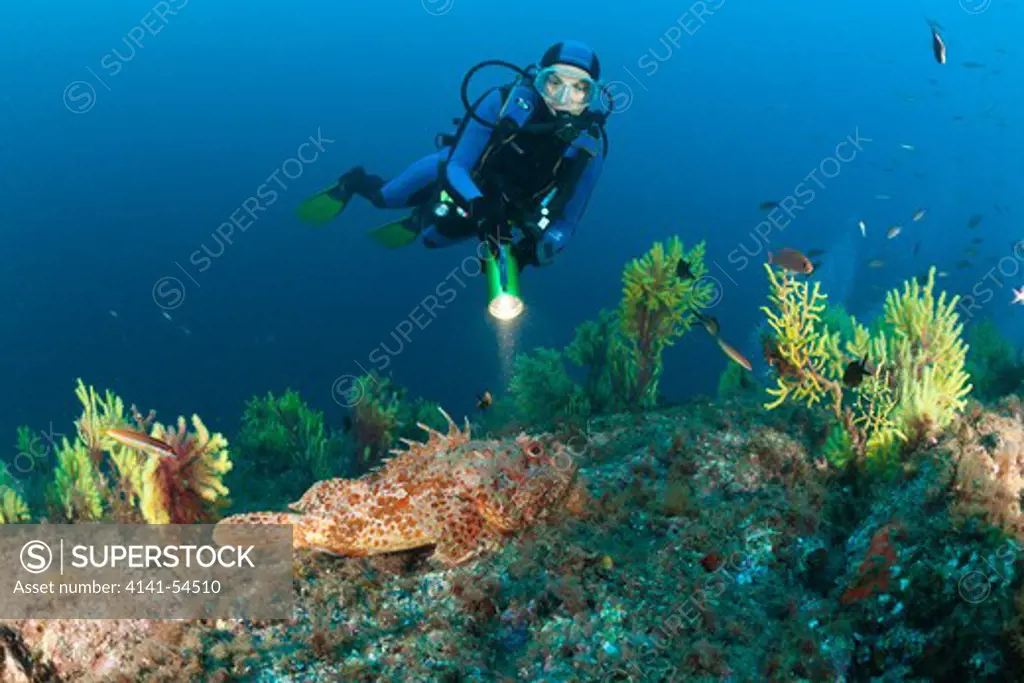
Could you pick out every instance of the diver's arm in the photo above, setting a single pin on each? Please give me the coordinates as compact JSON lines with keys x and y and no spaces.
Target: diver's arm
{"x":554,"y":239}
{"x":458,"y":179}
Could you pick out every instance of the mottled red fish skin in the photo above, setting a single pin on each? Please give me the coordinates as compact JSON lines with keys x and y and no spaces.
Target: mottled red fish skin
{"x":460,"y":494}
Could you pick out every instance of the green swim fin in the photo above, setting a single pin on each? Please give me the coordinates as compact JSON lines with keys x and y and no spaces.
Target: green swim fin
{"x":396,"y":234}
{"x":325,"y":205}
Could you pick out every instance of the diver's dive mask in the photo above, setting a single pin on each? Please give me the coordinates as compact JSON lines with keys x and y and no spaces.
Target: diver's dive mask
{"x":567,"y":88}
{"x":568,"y":127}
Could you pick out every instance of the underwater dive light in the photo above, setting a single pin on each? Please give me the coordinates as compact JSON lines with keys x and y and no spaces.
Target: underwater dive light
{"x":503,"y":285}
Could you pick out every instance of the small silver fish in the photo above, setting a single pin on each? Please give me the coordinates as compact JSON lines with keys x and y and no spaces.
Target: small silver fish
{"x":909,"y":148}
{"x":919,"y":214}
{"x":167,"y":315}
{"x":894,"y":231}
{"x":938,"y":45}
{"x":863,"y":228}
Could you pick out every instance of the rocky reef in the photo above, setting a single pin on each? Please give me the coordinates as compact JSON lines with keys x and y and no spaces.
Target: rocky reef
{"x":718,"y":546}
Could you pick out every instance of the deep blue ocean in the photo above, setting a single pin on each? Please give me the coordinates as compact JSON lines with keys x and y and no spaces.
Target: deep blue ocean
{"x":130,"y":131}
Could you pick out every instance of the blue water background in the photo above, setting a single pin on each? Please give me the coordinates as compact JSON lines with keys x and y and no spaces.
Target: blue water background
{"x":720,"y":112}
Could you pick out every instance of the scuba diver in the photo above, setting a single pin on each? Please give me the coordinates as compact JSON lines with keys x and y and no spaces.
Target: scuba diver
{"x":518,"y":172}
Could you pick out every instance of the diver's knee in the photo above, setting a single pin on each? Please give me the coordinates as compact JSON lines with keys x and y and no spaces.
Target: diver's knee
{"x":380,"y":201}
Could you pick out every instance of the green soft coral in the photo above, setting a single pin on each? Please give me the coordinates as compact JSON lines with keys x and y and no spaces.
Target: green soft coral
{"x":836,"y":318}
{"x":416,"y":412}
{"x":592,"y":349}
{"x":620,"y":352}
{"x":283,"y":433}
{"x":993,"y":363}
{"x":376,"y":417}
{"x":382,"y":414}
{"x":734,"y":381}
{"x":838,"y":449}
{"x":916,"y":353}
{"x":542,"y":390}
{"x":30,"y":450}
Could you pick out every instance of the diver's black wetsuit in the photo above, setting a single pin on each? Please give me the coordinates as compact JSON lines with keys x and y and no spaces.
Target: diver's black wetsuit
{"x":484,"y":161}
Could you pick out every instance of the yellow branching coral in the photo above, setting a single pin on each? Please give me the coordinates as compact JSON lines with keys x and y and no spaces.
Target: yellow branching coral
{"x":655,"y":312}
{"x":185,"y":486}
{"x":878,"y":432}
{"x":803,"y":349}
{"x":128,"y":466}
{"x":99,"y":414}
{"x":77,"y":492}
{"x":12,"y":507}
{"x":915,"y":355}
{"x":925,"y":343}
{"x":84,"y":488}
{"x":177,"y":479}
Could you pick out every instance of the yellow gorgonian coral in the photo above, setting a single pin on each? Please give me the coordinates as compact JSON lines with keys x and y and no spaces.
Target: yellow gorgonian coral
{"x":916,"y":383}
{"x":12,"y":507}
{"x":77,"y":489}
{"x":804,"y":348}
{"x":875,"y":416}
{"x":99,"y":414}
{"x":185,"y":485}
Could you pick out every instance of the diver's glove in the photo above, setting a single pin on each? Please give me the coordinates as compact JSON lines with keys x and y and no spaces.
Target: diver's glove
{"x":486,"y":214}
{"x":525,"y":253}
{"x":542,"y":252}
{"x":548,"y":246}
